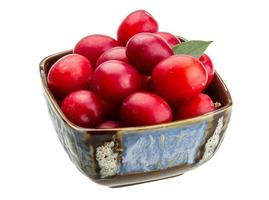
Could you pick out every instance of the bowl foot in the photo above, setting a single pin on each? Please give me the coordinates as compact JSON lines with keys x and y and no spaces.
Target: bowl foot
{"x":131,"y":184}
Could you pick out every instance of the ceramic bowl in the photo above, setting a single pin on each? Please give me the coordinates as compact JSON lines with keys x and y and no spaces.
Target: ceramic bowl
{"x":125,"y":156}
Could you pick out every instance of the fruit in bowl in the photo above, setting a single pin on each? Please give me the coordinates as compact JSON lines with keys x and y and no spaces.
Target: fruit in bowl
{"x":146,"y":106}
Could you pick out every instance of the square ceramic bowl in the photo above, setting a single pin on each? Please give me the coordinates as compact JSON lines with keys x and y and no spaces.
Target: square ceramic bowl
{"x":126,"y":156}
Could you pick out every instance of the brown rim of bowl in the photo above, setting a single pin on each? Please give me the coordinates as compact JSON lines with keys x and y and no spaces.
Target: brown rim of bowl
{"x":57,"y":109}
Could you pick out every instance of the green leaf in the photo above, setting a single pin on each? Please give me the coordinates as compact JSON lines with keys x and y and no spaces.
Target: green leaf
{"x":195,"y":48}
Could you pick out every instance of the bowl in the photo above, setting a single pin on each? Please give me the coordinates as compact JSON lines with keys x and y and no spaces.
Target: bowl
{"x":126,"y":156}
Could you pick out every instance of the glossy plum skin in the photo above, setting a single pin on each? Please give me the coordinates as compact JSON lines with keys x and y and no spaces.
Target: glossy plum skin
{"x":93,"y":46}
{"x":83,"y":108}
{"x":116,"y":53}
{"x":72,"y":72}
{"x":179,"y":77}
{"x":208,"y":64}
{"x":196,"y":106}
{"x":143,"y":108}
{"x":136,"y":22}
{"x":109,"y":124}
{"x":145,"y":50}
{"x":114,"y":80}
{"x":169,"y":38}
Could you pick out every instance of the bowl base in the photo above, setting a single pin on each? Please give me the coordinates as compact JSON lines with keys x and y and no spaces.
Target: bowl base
{"x":139,"y":178}
{"x":131,"y":184}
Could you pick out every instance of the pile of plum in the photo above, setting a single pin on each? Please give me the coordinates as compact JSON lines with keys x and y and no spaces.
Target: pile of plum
{"x":136,"y":80}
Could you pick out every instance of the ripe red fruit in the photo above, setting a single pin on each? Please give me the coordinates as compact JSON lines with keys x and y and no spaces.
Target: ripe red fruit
{"x":179,"y":77}
{"x":143,"y":108}
{"x":114,"y":80}
{"x":196,"y":106}
{"x":109,"y":124}
{"x":83,"y":108}
{"x":169,"y":38}
{"x":72,"y":72}
{"x":93,"y":46}
{"x":145,"y":50}
{"x":137,"y":22}
{"x":116,"y":53}
{"x":205,"y":59}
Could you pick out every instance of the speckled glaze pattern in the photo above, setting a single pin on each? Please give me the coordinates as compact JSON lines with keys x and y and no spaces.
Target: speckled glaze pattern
{"x":118,"y":157}
{"x":162,"y":148}
{"x":74,"y":143}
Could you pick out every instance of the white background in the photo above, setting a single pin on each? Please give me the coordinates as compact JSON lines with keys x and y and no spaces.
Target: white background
{"x":33,"y":164}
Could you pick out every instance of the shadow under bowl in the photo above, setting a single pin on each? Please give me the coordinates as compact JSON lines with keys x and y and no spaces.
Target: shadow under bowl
{"x":126,"y":156}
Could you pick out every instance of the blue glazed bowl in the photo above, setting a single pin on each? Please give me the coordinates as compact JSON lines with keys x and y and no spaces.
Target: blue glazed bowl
{"x":125,"y":156}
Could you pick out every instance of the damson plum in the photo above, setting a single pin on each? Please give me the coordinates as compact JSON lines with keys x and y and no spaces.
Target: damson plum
{"x":114,"y":80}
{"x":169,"y":38}
{"x":83,"y":108}
{"x":143,"y":108}
{"x":72,"y":72}
{"x":137,"y":22}
{"x":116,"y":53}
{"x":209,"y":67}
{"x":145,"y":50}
{"x":93,"y":46}
{"x":195,"y":106}
{"x":179,"y":77}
